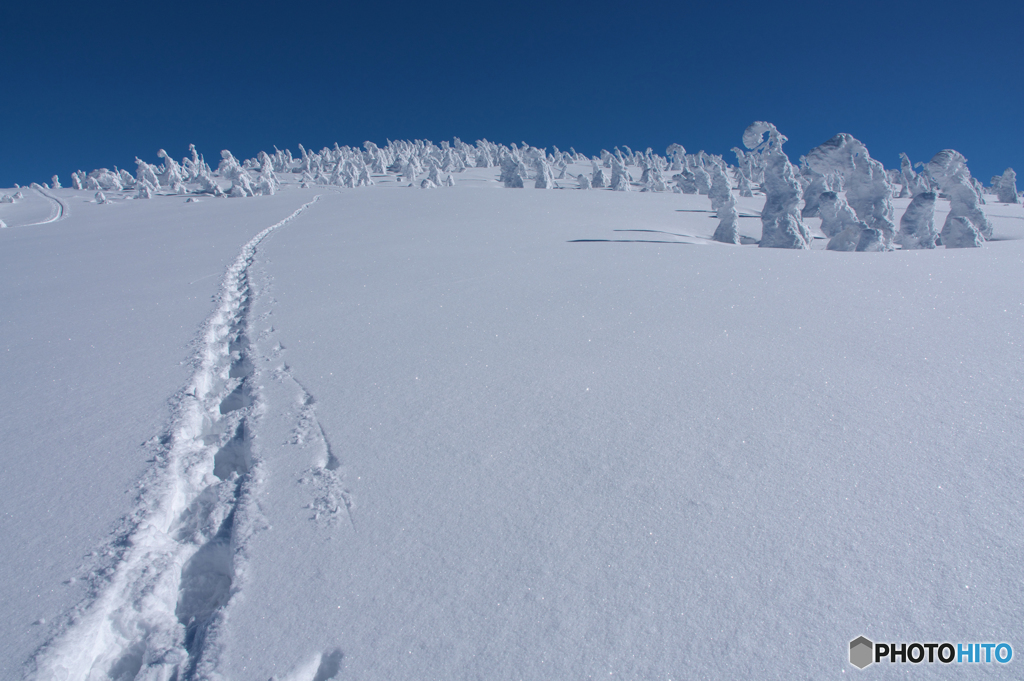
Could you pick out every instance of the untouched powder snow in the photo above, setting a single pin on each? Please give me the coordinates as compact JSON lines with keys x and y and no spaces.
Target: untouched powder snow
{"x":476,"y":432}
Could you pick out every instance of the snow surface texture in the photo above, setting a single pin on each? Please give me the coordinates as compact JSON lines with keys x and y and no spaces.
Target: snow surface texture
{"x":472,"y":432}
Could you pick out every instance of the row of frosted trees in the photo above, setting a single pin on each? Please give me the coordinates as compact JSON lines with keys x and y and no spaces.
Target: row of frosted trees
{"x":837,"y":181}
{"x":862,"y":220}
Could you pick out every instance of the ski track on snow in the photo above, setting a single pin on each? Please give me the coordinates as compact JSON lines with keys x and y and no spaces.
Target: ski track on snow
{"x":154,"y":612}
{"x":58,"y":209}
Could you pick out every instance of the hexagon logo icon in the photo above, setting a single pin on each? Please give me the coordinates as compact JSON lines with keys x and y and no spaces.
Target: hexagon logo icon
{"x":861,"y":652}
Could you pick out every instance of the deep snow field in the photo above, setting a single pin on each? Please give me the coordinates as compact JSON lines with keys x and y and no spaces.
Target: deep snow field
{"x":479,"y":433}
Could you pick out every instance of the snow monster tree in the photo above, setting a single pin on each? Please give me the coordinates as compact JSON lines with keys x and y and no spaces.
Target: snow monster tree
{"x":781,"y":226}
{"x":868,"y":190}
{"x":949,"y":169}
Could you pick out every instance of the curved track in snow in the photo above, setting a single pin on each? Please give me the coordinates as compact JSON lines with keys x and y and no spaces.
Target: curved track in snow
{"x":58,"y":211}
{"x":184,"y":542}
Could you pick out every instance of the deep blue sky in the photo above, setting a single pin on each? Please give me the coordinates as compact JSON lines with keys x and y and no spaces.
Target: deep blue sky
{"x":89,"y":85}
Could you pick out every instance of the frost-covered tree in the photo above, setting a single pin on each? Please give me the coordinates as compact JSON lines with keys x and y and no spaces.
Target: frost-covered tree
{"x":545,"y":179}
{"x":620,"y":176}
{"x":76,"y":181}
{"x":742,"y":183}
{"x":172,"y":177}
{"x":101,"y":178}
{"x":513,"y":172}
{"x":724,"y":204}
{"x":677,"y":154}
{"x":781,"y":226}
{"x":685,"y":181}
{"x":751,"y":165}
{"x":960,"y":232}
{"x":146,"y":172}
{"x":836,"y":215}
{"x":1006,"y":189}
{"x":433,"y":178}
{"x":597,"y":181}
{"x":54,"y":182}
{"x":912,"y":185}
{"x":868,"y":190}
{"x":652,"y":179}
{"x":700,"y":176}
{"x":125,"y":178}
{"x":584,"y":181}
{"x":231,"y":169}
{"x":917,"y":226}
{"x":100,"y":198}
{"x":949,"y":169}
{"x":814,"y":184}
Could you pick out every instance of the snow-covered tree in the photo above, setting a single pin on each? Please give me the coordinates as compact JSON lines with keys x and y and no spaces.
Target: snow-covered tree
{"x":813,"y":183}
{"x":917,"y":226}
{"x":125,"y":178}
{"x":700,"y":175}
{"x":584,"y":181}
{"x":912,"y":183}
{"x":868,"y":190}
{"x":231,"y":169}
{"x":724,"y":204}
{"x":172,"y":176}
{"x":836,"y":215}
{"x":620,"y":176}
{"x":781,"y":226}
{"x":1006,"y":189}
{"x":960,"y":232}
{"x":513,"y":171}
{"x":545,"y":179}
{"x":652,"y":179}
{"x":677,"y":154}
{"x":100,"y":198}
{"x":685,"y":181}
{"x":54,"y":182}
{"x":949,"y":169}
{"x":102,"y":178}
{"x":597,"y":180}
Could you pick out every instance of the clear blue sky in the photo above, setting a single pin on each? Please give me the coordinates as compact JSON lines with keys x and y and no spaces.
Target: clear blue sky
{"x":89,"y":85}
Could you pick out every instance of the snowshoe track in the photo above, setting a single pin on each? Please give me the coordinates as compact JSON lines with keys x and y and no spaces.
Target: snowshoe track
{"x":178,"y":553}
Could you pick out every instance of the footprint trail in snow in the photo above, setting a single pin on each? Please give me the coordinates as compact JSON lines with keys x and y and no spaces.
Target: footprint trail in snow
{"x":158,"y":612}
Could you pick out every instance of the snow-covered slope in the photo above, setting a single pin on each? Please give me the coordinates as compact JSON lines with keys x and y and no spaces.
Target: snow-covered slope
{"x":471,"y":432}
